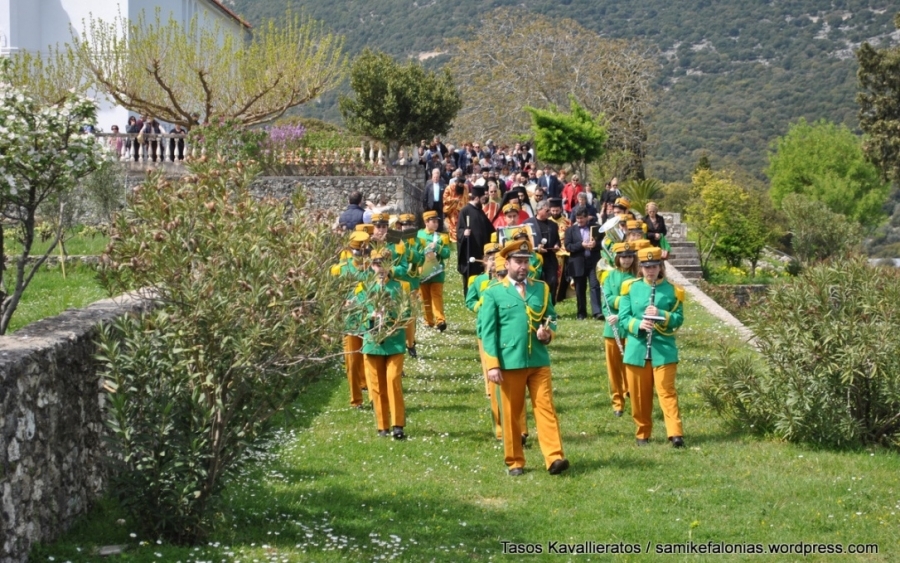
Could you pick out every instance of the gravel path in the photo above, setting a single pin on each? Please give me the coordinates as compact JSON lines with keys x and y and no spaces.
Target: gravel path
{"x":673,"y":275}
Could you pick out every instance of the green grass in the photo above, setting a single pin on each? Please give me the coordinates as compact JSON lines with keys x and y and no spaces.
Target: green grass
{"x":81,"y":243}
{"x":49,"y":294}
{"x":328,"y":489}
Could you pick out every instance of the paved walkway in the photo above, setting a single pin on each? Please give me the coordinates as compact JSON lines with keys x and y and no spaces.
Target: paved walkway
{"x":708,"y":303}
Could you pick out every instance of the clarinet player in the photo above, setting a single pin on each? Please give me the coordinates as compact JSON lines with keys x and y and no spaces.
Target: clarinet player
{"x":651,"y":309}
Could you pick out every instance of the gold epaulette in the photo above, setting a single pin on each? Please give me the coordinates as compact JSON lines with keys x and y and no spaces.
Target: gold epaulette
{"x":359,"y":288}
{"x":336,"y":270}
{"x":604,"y":275}
{"x":679,"y":292}
{"x":626,"y":286}
{"x":445,"y":238}
{"x":400,"y":248}
{"x":404,"y":285}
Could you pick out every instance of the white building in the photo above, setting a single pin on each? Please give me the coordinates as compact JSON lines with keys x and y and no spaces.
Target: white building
{"x":33,"y":25}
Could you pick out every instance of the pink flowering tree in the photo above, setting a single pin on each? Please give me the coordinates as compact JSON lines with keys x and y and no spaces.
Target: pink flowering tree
{"x":43,"y":154}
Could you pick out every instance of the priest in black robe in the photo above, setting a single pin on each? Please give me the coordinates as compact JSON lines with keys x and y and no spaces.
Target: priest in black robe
{"x":473,"y":231}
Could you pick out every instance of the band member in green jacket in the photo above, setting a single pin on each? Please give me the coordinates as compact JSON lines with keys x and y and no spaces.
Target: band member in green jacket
{"x":436,"y":248}
{"x":384,"y":343}
{"x":414,"y":260}
{"x":517,"y":322}
{"x":355,"y":267}
{"x":613,"y":333}
{"x":651,"y":309}
{"x":477,"y":285}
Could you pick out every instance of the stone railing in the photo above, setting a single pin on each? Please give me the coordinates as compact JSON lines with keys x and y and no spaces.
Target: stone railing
{"x":51,"y":425}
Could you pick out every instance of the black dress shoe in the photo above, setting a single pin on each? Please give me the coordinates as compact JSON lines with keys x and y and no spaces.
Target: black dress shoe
{"x":384,"y":433}
{"x":412,"y":351}
{"x":442,"y":327}
{"x":618,"y":414}
{"x":598,"y":316}
{"x":398,"y":433}
{"x":581,"y":317}
{"x":558,"y":466}
{"x":677,"y":442}
{"x":360,"y":407}
{"x":642,"y":442}
{"x":524,"y":440}
{"x":516,"y":472}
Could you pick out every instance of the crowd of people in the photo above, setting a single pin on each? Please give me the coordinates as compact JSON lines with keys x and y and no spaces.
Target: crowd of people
{"x":523,"y":236}
{"x":145,"y":139}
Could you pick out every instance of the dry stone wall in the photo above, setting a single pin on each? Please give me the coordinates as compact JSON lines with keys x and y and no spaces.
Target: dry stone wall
{"x":51,"y":425}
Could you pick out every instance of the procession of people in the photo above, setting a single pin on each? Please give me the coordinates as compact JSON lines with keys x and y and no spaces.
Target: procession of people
{"x":513,"y":272}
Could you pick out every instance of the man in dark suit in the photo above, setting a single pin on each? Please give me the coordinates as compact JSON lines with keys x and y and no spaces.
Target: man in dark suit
{"x":433,"y":196}
{"x":473,"y":232}
{"x":584,"y":253}
{"x":546,"y":243}
{"x":551,"y":184}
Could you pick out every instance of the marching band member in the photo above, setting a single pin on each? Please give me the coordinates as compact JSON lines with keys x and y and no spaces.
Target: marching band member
{"x":563,"y":223}
{"x":613,"y":333}
{"x":414,"y":260}
{"x":477,"y":285}
{"x":517,"y":322}
{"x":651,"y":309}
{"x":436,"y":248}
{"x":380,"y":222}
{"x":384,"y":343}
{"x":354,"y":267}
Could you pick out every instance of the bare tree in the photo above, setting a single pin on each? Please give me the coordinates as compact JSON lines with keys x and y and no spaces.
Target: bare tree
{"x":513,"y":61}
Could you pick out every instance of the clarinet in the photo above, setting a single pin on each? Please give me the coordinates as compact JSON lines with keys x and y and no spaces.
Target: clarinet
{"x":650,"y":332}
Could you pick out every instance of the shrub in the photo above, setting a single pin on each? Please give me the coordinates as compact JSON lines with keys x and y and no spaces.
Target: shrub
{"x":247,"y":315}
{"x":817,"y":232}
{"x":831,"y":349}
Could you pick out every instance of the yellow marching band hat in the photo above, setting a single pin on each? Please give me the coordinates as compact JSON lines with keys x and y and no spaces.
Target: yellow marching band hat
{"x":517,"y":247}
{"x":491,"y":248}
{"x":630,"y":248}
{"x":381,"y":218}
{"x":365,"y":227}
{"x":429,"y":215}
{"x":650,"y":256}
{"x":510,"y":207}
{"x":622,"y":202}
{"x":406,"y":218}
{"x":382,"y":254}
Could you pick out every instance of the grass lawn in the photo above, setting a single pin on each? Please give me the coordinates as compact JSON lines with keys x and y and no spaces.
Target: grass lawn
{"x":49,"y":294}
{"x":328,"y":489}
{"x":83,"y":242}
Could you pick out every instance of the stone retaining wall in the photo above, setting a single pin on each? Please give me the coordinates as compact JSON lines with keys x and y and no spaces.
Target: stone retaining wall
{"x":51,"y":423}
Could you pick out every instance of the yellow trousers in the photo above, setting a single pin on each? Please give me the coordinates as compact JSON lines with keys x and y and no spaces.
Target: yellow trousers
{"x":615,"y":370}
{"x":512,"y":395}
{"x":386,"y":389}
{"x":356,"y":372}
{"x":492,"y":392}
{"x":641,"y":381}
{"x":433,"y":302}
{"x":411,"y":325}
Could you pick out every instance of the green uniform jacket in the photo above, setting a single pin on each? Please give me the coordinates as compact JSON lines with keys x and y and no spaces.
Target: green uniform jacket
{"x":477,"y":285}
{"x":669,"y":300}
{"x":396,"y":342}
{"x":441,"y":250}
{"x":508,"y":324}
{"x":414,"y":260}
{"x":353,"y":316}
{"x":535,"y":266}
{"x":612,"y":281}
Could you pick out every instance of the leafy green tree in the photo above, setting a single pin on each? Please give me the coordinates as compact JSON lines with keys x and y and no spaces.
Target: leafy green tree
{"x":825,"y":162}
{"x":727,"y":219}
{"x":576,"y":138}
{"x":200,"y":74}
{"x":398,"y":104}
{"x":43,"y":155}
{"x":817,"y":233}
{"x":246,"y":316}
{"x":879,"y":104}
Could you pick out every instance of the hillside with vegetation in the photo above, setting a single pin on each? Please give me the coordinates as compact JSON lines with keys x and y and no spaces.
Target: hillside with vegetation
{"x":732,"y":77}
